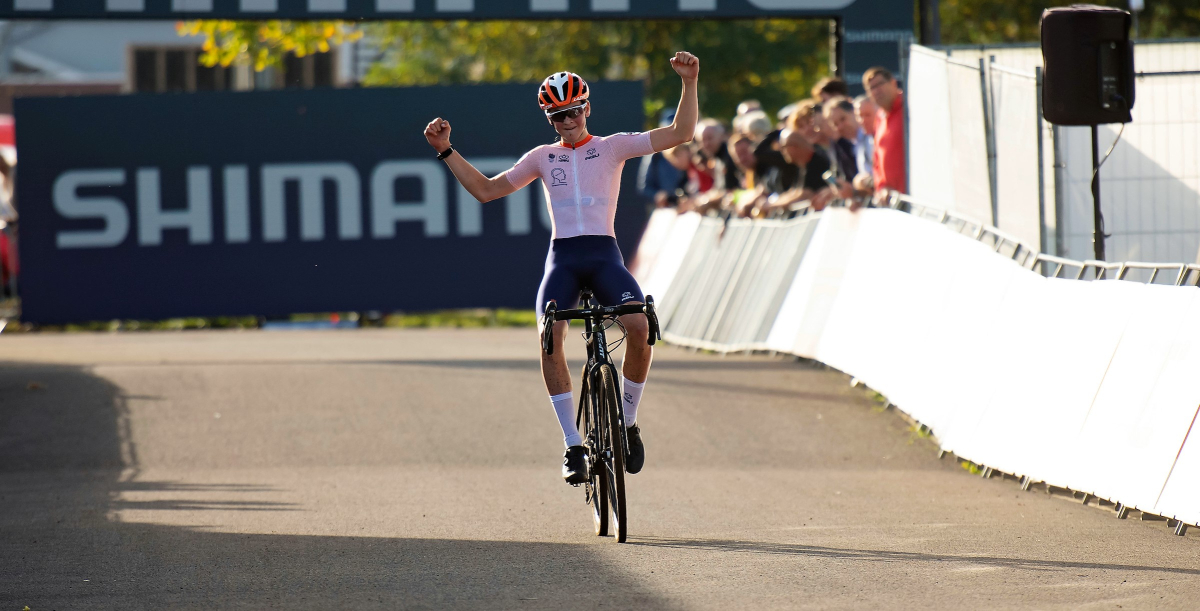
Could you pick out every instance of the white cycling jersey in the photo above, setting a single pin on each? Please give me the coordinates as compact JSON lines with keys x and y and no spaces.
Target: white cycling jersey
{"x":581,"y":182}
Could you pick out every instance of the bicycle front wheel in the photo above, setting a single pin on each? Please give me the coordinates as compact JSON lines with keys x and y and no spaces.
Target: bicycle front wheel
{"x":596,"y":488}
{"x":614,"y":449}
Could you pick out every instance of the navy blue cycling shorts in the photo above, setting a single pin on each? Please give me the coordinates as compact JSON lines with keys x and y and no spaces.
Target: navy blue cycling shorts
{"x":586,"y":261}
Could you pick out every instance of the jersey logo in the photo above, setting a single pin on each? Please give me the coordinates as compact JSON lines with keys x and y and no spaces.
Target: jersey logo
{"x":551,"y":156}
{"x":626,"y":296}
{"x":558,"y":177}
{"x":591,"y":154}
{"x":563,"y":158}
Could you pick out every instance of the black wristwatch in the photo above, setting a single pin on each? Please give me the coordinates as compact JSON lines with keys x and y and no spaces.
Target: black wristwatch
{"x":446,"y":153}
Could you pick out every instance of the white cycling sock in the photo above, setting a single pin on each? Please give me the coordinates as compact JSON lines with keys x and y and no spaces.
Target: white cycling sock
{"x":564,"y":408}
{"x":633,"y":396}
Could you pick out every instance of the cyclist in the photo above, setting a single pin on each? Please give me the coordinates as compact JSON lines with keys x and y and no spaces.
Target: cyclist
{"x":581,"y":175}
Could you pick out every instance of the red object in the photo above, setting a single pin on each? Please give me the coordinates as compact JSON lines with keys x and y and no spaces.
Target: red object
{"x":700,"y":176}
{"x":8,"y":132}
{"x":8,"y":259}
{"x":334,"y":318}
{"x":889,"y":148}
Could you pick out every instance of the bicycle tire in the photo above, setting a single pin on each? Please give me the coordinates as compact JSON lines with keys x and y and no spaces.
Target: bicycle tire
{"x":595,"y":491}
{"x":615,"y":465}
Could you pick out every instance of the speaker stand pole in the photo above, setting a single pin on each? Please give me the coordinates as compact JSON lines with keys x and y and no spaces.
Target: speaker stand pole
{"x":1098,"y":239}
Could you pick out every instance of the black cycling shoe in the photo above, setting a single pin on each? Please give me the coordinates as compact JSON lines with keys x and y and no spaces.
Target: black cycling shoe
{"x":636,"y":456}
{"x":575,"y":465}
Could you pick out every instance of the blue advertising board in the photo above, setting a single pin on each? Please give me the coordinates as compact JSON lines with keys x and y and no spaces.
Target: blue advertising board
{"x":263,"y":203}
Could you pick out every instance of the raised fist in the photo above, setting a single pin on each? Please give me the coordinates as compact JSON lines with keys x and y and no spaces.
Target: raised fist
{"x":437,"y":134}
{"x":686,"y":65}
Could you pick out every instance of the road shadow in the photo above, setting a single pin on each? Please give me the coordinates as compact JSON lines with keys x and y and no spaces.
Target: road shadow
{"x":66,"y":460}
{"x":868,"y":555}
{"x":528,"y":364}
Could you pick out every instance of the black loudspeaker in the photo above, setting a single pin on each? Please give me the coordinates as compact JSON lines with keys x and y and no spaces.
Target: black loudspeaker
{"x":1088,"y":59}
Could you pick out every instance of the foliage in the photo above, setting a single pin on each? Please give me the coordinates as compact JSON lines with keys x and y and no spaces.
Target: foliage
{"x":775,"y":61}
{"x":265,"y":43}
{"x":995,"y":21}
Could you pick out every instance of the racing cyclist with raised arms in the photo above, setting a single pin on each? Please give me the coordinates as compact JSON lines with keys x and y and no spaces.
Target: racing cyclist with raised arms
{"x":581,"y":175}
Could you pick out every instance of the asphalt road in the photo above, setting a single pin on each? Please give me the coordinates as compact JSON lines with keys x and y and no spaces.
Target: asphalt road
{"x":420,"y":469}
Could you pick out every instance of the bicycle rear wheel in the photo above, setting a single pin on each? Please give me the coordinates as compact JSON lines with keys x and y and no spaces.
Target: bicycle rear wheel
{"x":596,"y":488}
{"x":614,"y":450}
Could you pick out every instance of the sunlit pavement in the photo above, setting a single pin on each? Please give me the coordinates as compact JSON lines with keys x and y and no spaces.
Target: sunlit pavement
{"x":420,"y":469}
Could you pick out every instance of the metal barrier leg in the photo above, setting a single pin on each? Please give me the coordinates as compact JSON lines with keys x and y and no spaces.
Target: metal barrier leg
{"x":1122,"y":511}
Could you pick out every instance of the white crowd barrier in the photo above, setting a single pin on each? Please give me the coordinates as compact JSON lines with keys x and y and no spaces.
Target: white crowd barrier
{"x":1084,"y":385}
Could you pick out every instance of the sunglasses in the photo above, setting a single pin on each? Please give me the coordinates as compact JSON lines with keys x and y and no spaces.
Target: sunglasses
{"x":562,"y":115}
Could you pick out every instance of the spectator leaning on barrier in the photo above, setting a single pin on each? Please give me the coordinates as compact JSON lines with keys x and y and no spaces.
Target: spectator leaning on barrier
{"x":828,"y":88}
{"x":839,"y":112}
{"x":807,"y":120}
{"x":865,"y":111}
{"x":741,"y":196}
{"x":800,"y":153}
{"x":710,"y":144}
{"x":889,"y":163}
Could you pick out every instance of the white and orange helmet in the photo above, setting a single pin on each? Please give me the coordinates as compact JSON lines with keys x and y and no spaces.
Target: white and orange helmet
{"x":562,"y":90}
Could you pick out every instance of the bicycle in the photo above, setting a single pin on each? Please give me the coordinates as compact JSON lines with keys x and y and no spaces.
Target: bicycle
{"x":601,"y":416}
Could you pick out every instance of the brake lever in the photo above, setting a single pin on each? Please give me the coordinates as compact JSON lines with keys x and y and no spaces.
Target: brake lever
{"x":652,"y":318}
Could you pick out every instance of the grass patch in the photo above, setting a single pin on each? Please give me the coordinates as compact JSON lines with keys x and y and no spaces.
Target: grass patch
{"x":463,"y":319}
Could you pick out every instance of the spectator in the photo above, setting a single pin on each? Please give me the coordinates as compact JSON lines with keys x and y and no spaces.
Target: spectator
{"x":839,"y":112}
{"x":773,"y":173}
{"x":812,"y":125}
{"x":747,"y":106}
{"x":865,"y":111}
{"x":710,"y":148}
{"x":889,"y":163}
{"x":658,"y":179}
{"x":784,"y":113}
{"x":741,"y":150}
{"x":828,"y":88}
{"x":742,"y":194}
{"x":801,"y":154}
{"x":755,"y":124}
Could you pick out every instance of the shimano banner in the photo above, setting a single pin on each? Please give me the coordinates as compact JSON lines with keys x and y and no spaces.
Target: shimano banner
{"x":267,"y":203}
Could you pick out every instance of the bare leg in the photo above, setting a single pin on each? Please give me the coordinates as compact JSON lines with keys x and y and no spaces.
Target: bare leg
{"x":636,"y":365}
{"x":554,"y":366}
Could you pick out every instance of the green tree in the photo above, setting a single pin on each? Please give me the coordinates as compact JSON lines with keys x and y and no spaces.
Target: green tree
{"x":265,"y":43}
{"x":775,"y":61}
{"x":997,"y":21}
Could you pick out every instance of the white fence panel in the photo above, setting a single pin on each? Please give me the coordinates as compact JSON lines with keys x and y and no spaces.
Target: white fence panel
{"x":948,"y":159}
{"x":930,"y":140}
{"x":1016,"y":128}
{"x":1142,"y":411}
{"x":1150,"y":186}
{"x":671,"y":256}
{"x":1087,"y":385}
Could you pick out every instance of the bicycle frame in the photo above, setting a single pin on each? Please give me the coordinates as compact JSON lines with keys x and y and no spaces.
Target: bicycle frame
{"x":600,"y":403}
